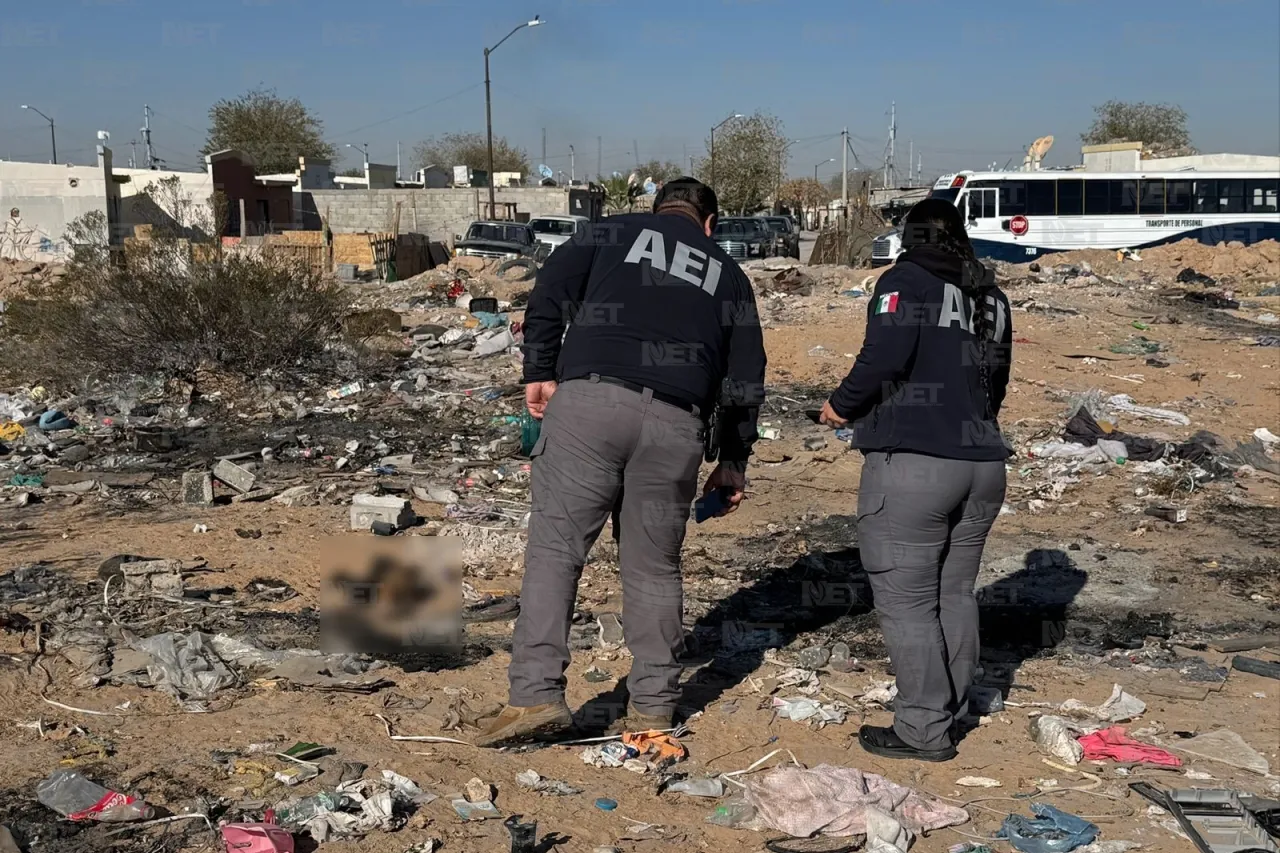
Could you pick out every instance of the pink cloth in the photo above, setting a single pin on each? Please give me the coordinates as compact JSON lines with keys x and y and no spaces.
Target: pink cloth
{"x":835,"y":801}
{"x":1114,"y":743}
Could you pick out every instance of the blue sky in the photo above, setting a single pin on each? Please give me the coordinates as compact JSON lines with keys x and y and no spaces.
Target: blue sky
{"x":974,"y":81}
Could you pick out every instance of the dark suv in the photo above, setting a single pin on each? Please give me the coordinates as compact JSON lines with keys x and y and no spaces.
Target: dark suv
{"x":743,"y":237}
{"x":786,"y":239}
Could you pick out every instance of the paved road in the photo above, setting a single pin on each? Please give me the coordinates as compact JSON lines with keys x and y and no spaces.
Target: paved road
{"x":807,"y":239}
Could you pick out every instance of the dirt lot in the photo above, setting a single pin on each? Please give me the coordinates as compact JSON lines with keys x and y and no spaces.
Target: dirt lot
{"x":1081,"y":590}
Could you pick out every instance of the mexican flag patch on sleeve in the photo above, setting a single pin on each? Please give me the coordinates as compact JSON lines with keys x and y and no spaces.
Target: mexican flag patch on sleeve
{"x":888,"y":303}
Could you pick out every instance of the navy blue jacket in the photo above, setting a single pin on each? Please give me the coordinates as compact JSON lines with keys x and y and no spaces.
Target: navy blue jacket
{"x":917,"y":385}
{"x":650,"y":299}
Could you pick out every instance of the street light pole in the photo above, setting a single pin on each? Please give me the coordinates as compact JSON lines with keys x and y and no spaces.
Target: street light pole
{"x":488,"y":105}
{"x":713,"y":146}
{"x":573,"y":174}
{"x":823,"y":163}
{"x":53,"y":137}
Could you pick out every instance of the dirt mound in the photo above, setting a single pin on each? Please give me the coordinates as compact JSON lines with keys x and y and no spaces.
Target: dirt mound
{"x":1232,"y":261}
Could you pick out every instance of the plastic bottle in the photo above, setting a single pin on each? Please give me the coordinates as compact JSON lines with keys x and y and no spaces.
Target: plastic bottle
{"x":530,"y":429}
{"x":732,"y":814}
{"x":74,"y":797}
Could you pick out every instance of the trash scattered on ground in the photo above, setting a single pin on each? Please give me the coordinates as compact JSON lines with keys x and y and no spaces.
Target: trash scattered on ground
{"x":1265,"y":668}
{"x":605,"y":804}
{"x":74,"y":797}
{"x":1113,"y":743}
{"x":1050,"y":831}
{"x":1053,"y":738}
{"x":1227,"y":747}
{"x":804,"y":710}
{"x":978,"y":782}
{"x":530,"y":780}
{"x":1120,"y":707}
{"x":841,"y":801}
{"x":524,"y":835}
{"x":256,"y":838}
{"x":705,"y":787}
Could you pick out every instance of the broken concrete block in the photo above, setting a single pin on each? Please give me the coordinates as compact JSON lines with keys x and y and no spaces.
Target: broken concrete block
{"x":240,"y":479}
{"x":197,"y":488}
{"x":153,"y":577}
{"x":256,"y":495}
{"x":366,"y":509}
{"x":297,"y":496}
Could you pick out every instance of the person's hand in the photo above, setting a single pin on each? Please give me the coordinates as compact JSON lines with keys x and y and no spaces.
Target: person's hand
{"x":730,"y":478}
{"x":536,"y":397}
{"x":830,"y":418}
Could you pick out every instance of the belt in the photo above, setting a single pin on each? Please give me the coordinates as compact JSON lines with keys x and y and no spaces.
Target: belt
{"x":670,"y":400}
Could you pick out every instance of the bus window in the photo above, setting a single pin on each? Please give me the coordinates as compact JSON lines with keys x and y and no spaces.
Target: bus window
{"x":1231,"y":196}
{"x":982,"y":201}
{"x":1097,"y":198}
{"x":1151,"y":197}
{"x":1177,"y":197}
{"x":1124,"y":197}
{"x":1070,"y":198}
{"x":1013,"y":198}
{"x":1040,"y":198}
{"x":1262,"y":194}
{"x":1206,"y":193}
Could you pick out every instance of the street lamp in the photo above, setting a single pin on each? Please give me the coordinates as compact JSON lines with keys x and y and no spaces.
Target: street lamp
{"x":573,"y":174}
{"x":365,"y":148}
{"x":713,"y":145}
{"x":823,"y":163}
{"x":488,"y":103}
{"x":53,"y":139}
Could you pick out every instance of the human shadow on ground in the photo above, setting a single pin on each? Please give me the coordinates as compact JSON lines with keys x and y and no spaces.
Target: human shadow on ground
{"x":1022,"y":615}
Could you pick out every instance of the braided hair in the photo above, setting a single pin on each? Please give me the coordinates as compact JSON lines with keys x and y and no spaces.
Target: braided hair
{"x":935,"y":222}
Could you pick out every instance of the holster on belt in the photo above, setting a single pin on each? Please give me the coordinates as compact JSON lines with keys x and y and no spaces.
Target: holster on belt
{"x":711,"y":438}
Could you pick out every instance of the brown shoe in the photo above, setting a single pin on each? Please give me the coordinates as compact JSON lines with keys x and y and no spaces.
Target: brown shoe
{"x":521,"y":725}
{"x":634,"y":721}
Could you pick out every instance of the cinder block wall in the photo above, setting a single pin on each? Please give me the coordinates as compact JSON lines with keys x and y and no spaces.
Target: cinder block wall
{"x":437,"y":213}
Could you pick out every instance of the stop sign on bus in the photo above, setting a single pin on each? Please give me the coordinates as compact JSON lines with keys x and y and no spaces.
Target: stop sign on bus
{"x":1018,"y":226}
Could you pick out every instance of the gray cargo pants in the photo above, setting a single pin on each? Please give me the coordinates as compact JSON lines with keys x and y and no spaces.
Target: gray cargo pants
{"x":922,"y":524}
{"x":598,"y":439}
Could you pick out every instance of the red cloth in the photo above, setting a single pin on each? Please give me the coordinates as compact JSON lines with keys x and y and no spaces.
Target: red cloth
{"x":1114,"y":743}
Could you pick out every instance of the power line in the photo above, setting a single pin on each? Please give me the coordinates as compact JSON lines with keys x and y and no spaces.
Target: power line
{"x":412,"y":111}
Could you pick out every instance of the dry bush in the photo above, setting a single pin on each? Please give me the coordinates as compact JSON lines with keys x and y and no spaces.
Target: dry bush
{"x":169,"y":309}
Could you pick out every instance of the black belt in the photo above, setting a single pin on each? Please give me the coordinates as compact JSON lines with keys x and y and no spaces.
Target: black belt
{"x":641,"y":389}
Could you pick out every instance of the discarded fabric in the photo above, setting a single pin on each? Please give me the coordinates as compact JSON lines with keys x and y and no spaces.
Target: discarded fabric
{"x":1051,"y":831}
{"x":1124,"y":403}
{"x":1053,"y":737}
{"x":1115,"y":744}
{"x":801,"y":709}
{"x":835,"y":801}
{"x":1120,"y":707}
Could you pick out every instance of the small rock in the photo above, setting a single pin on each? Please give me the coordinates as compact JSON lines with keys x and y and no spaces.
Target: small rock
{"x":815,"y":442}
{"x":74,"y":454}
{"x":479,"y":791}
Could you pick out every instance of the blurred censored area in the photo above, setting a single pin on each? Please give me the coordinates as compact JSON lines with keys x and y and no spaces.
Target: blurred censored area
{"x":386,"y":596}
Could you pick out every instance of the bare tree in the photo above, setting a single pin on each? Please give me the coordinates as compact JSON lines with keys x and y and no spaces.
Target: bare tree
{"x":470,"y":150}
{"x":1161,"y":128}
{"x":747,"y":163}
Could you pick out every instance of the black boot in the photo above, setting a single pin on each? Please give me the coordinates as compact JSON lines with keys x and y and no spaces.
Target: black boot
{"x":884,"y":742}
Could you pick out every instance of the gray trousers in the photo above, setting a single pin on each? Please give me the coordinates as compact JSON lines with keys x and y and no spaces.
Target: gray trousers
{"x":600,"y":440}
{"x":922,"y":524}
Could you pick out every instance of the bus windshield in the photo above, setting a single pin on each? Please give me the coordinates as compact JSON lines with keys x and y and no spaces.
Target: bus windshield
{"x":947,"y":195}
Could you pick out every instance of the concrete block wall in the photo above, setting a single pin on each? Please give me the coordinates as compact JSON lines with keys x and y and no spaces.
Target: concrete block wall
{"x":39,"y":200}
{"x":438,"y":213}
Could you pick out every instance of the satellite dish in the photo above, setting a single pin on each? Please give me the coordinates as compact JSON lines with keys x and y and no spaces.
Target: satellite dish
{"x":650,"y":188}
{"x":544,"y":170}
{"x":617,"y":174}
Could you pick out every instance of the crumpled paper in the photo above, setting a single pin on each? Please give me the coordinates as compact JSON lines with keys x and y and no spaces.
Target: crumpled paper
{"x":1119,"y":708}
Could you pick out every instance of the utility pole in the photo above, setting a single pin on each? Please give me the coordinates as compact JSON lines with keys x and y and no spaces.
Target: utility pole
{"x":573,"y":172}
{"x":599,"y":158}
{"x":635,"y":149}
{"x":544,"y":145}
{"x":844,"y":170}
{"x":398,"y":178}
{"x":133,"y":153}
{"x":919,"y":166}
{"x":893,"y":138}
{"x":911,"y":158}
{"x":146,"y":136}
{"x":488,"y":105}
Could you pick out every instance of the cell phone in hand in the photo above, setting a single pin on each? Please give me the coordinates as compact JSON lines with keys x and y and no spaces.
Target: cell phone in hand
{"x":814,"y":415}
{"x":711,"y":505}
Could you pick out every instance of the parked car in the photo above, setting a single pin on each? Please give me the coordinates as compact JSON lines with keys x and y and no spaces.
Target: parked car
{"x":502,"y":240}
{"x":743,"y":237}
{"x":786,"y":237}
{"x":556,"y":229}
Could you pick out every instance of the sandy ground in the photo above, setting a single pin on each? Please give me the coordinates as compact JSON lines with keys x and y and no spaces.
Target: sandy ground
{"x":1215,"y":575}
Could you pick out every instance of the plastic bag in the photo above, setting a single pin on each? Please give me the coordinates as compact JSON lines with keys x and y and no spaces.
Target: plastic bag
{"x":1051,"y":831}
{"x":76,"y":798}
{"x":1053,"y":737}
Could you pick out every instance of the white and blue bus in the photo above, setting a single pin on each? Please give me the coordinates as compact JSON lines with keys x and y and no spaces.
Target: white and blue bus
{"x":1018,"y":216}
